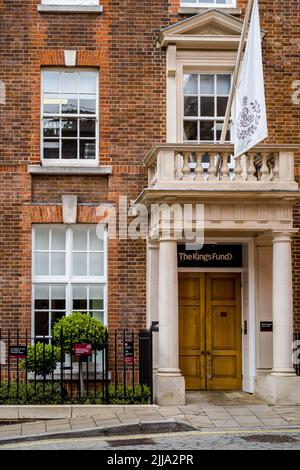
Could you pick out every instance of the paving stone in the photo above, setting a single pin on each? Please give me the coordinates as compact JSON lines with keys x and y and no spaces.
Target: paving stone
{"x":218,"y":414}
{"x":225,"y":423}
{"x":248,"y":420}
{"x":78,"y":423}
{"x":107,"y":422}
{"x":33,"y":431}
{"x":235,"y":411}
{"x":169,"y":410}
{"x":274,"y":422}
{"x":201,"y":422}
{"x":268,"y":414}
{"x":58,"y":427}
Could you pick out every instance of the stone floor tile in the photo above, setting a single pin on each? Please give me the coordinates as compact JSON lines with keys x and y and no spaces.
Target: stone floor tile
{"x":33,"y":431}
{"x":169,"y":410}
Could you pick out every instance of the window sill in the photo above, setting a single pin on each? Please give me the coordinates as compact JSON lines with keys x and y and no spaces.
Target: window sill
{"x":94,"y":9}
{"x":194,"y":10}
{"x":69,"y":170}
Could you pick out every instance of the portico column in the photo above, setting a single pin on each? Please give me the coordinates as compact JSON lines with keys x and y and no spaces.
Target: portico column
{"x":282,"y":305}
{"x":170,"y":387}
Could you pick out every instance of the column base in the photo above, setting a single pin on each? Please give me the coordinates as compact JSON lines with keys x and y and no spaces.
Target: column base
{"x":169,"y":389}
{"x":278,"y":390}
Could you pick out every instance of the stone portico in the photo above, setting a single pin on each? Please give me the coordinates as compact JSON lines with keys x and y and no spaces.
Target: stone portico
{"x":248,"y":201}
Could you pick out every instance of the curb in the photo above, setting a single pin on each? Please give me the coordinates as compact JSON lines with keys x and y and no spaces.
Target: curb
{"x":115,"y":430}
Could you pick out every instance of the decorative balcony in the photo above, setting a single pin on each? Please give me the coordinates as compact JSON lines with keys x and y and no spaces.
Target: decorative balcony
{"x":212,"y":167}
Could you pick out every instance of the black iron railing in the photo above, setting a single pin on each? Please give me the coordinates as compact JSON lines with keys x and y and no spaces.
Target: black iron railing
{"x":296,"y":353}
{"x":40,"y":370}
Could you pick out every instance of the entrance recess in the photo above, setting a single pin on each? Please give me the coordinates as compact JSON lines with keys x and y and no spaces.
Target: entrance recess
{"x":210,"y":338}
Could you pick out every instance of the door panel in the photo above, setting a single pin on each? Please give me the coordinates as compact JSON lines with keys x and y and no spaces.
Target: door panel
{"x":223,"y":331}
{"x":192,"y":330}
{"x":210,"y":331}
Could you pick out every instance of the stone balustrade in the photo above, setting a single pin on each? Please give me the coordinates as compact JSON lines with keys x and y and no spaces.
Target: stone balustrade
{"x":213,"y":166}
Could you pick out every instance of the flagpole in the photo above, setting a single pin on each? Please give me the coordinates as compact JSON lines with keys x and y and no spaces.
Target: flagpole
{"x":236,"y":70}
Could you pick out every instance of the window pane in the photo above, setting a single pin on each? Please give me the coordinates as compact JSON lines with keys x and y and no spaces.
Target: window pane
{"x":51,"y":104}
{"x":51,"y":149}
{"x":87,"y":149}
{"x":79,"y":264}
{"x":190,"y":130}
{"x":99,"y":316}
{"x":41,"y":265}
{"x":55,"y":316}
{"x":87,"y":82}
{"x":69,"y":82}
{"x":221,"y":106}
{"x":41,"y":323}
{"x":51,"y":127}
{"x":88,"y":104}
{"x":51,"y":81}
{"x":58,"y":297}
{"x":58,"y":239}
{"x":80,"y":239}
{"x":41,"y":294}
{"x":41,"y":238}
{"x":87,"y":127}
{"x":69,"y":104}
{"x":69,"y":127}
{"x":219,"y":132}
{"x":96,"y":244}
{"x":190,"y":106}
{"x":58,"y":264}
{"x":190,"y":84}
{"x":69,"y":149}
{"x":96,"y":264}
{"x":207,"y":130}
{"x":207,"y":106}
{"x":206,"y":84}
{"x":223,"y":84}
{"x":79,"y":298}
{"x":96,"y":298}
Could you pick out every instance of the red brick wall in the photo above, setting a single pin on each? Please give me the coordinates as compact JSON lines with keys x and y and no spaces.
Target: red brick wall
{"x":122,"y":44}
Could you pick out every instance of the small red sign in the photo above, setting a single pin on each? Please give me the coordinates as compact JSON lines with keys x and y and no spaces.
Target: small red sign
{"x":83,"y":349}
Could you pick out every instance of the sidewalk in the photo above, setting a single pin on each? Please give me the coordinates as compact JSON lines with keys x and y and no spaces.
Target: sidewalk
{"x":214,"y":410}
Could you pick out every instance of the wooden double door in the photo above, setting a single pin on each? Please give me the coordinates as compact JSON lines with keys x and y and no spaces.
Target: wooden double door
{"x":210,"y":335}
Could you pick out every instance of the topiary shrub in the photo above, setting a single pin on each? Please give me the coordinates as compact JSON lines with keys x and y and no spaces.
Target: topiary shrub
{"x":41,"y":358}
{"x":79,"y":328}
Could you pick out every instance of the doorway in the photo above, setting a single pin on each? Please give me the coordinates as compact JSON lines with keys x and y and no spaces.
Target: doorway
{"x":210,"y":335}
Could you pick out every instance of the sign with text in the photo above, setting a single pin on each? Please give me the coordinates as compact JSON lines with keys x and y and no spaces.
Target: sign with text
{"x":211,"y":256}
{"x":266,"y":326}
{"x":17,"y":352}
{"x":83,"y":349}
{"x":128,"y":353}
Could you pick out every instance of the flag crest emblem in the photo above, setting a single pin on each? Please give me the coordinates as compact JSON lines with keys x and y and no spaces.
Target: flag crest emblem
{"x":248,"y":119}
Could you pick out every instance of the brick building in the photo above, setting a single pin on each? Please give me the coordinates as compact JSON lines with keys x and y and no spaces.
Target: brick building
{"x":88,"y":87}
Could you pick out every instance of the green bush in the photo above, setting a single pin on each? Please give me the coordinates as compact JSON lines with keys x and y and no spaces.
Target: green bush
{"x":79,"y":328}
{"x":141,"y":395}
{"x":44,"y":394}
{"x":41,"y":358}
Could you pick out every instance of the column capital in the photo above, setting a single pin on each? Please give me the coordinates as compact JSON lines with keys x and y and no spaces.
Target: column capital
{"x":283,"y":236}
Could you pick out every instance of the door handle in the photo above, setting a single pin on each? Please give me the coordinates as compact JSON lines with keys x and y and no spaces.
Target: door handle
{"x":208,"y":353}
{"x":203,"y":353}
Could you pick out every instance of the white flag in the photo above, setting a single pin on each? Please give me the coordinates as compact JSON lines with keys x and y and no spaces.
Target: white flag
{"x":250,"y":123}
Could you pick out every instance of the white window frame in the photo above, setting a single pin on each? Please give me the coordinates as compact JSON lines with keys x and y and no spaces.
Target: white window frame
{"x":62,"y":161}
{"x":196,"y":118}
{"x":201,"y":4}
{"x":71,"y":2}
{"x":68,"y":280}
